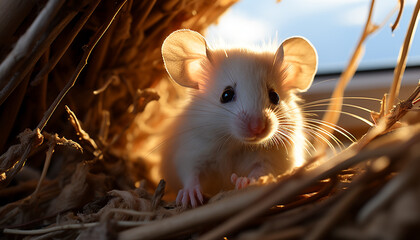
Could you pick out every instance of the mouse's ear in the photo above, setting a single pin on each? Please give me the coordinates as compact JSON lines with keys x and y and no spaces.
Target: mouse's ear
{"x":299,"y":59}
{"x":184,"y":52}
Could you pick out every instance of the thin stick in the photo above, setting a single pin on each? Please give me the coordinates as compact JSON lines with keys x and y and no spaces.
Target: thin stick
{"x":76,"y":226}
{"x":146,"y":96}
{"x":10,"y":111}
{"x":157,"y":196}
{"x":12,"y":13}
{"x":188,"y":220}
{"x":33,"y":56}
{"x":99,"y":55}
{"x":130,"y":212}
{"x":294,"y":216}
{"x":402,"y":108}
{"x":44,"y":85}
{"x":295,"y":232}
{"x":402,"y":58}
{"x":397,"y":20}
{"x":25,"y":44}
{"x":334,"y":213}
{"x":332,"y":115}
{"x":47,"y":162}
{"x":64,"y":46}
{"x":37,"y":140}
{"x":391,"y":190}
{"x":69,"y":85}
{"x":145,"y":13}
{"x":50,"y":229}
{"x":83,"y":62}
{"x":79,"y":130}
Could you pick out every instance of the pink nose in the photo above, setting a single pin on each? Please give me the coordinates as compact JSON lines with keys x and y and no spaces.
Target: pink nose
{"x":256,"y":125}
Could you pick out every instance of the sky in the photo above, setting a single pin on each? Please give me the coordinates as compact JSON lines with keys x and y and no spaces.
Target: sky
{"x":333,"y":26}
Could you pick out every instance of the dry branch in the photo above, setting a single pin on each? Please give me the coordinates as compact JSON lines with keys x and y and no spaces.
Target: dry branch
{"x":12,"y":109}
{"x":12,"y":13}
{"x":402,"y":58}
{"x":69,"y":227}
{"x":68,"y":86}
{"x":80,"y":132}
{"x":334,"y":108}
{"x":191,"y":219}
{"x":13,"y":160}
{"x":87,"y":51}
{"x":25,"y":45}
{"x":68,"y":39}
{"x":397,"y":20}
{"x":333,"y":214}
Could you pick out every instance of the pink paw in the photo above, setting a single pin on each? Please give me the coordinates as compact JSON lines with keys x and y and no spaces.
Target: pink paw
{"x":240,"y":182}
{"x":190,"y":196}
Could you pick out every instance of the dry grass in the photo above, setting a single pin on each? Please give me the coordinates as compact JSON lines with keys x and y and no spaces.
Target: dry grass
{"x":86,"y":70}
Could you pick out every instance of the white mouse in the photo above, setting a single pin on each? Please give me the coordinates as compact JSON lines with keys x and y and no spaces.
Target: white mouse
{"x":243,"y":120}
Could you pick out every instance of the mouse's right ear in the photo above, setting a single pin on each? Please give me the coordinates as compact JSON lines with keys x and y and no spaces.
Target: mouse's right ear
{"x":184,"y":53}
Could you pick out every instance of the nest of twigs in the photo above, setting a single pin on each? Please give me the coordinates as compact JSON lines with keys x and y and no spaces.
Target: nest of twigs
{"x":75,"y":79}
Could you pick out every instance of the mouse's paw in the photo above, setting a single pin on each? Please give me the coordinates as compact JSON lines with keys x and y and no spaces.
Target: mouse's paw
{"x":190,"y":196}
{"x":241,"y":182}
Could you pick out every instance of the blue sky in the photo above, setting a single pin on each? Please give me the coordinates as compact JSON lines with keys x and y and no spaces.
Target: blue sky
{"x":333,"y":27}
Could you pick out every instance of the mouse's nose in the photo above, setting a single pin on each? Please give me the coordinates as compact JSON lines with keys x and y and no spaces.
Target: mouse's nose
{"x":256,"y":125}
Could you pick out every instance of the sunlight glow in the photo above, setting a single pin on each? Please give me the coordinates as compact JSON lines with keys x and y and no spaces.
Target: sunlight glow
{"x":297,"y":151}
{"x":239,"y":30}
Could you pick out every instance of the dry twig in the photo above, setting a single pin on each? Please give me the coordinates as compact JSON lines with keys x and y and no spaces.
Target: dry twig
{"x":68,"y":40}
{"x":10,"y":72}
{"x":82,"y":133}
{"x":400,"y":11}
{"x":334,"y":109}
{"x":87,"y":51}
{"x":402,"y":58}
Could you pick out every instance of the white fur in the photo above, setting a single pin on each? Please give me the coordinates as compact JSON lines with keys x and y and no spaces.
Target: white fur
{"x":208,"y":140}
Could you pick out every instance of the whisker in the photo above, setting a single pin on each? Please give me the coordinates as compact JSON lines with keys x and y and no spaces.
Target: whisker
{"x":226,"y":137}
{"x":312,"y":130}
{"x":317,"y":135}
{"x":274,"y":142}
{"x":334,"y":127}
{"x":345,"y":113}
{"x":324,"y":81}
{"x":307,"y":144}
{"x":344,"y":98}
{"x":310,"y":145}
{"x":344,"y":104}
{"x":283,"y":138}
{"x":316,"y":128}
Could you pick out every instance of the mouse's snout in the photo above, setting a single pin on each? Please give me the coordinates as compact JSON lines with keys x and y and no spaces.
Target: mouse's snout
{"x":253,"y":128}
{"x":256,"y":125}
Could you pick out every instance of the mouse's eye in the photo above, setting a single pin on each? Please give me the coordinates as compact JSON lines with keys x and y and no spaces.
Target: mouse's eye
{"x":227,"y":95}
{"x":274,"y":97}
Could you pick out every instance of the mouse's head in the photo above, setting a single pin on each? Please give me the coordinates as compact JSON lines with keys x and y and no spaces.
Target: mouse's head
{"x":250,"y":95}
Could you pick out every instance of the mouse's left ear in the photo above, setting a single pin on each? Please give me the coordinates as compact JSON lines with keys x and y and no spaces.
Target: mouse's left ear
{"x":299,"y":59}
{"x":184,"y":53}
